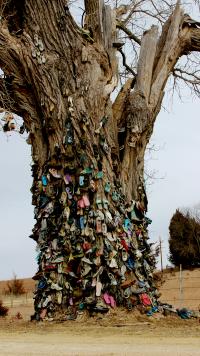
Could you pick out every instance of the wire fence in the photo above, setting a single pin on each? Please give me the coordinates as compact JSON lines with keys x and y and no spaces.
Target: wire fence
{"x":182,"y":289}
{"x":11,"y":300}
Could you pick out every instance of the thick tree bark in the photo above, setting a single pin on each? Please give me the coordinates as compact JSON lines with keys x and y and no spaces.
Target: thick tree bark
{"x":158,"y":56}
{"x":88,"y":192}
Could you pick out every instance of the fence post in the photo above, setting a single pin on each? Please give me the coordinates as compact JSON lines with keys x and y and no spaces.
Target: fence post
{"x":161,"y":259}
{"x":180,"y":287}
{"x":11,"y":300}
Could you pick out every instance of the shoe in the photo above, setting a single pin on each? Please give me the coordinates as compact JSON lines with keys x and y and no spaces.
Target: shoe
{"x":47,"y":301}
{"x":87,"y":170}
{"x":98,"y":288}
{"x":107,"y":187}
{"x":105,"y":204}
{"x":112,"y":279}
{"x":98,"y":226}
{"x":127,"y":293}
{"x":115,"y":196}
{"x":99,"y":175}
{"x":104,"y":229}
{"x":86,"y":260}
{"x":54,"y":173}
{"x":69,"y":193}
{"x":44,"y":181}
{"x":55,"y":286}
{"x":81,"y":181}
{"x":85,"y":269}
{"x":67,"y":179}
{"x":113,"y":263}
{"x":99,"y":203}
{"x":81,"y":203}
{"x":99,"y":309}
{"x":86,"y":200}
{"x":63,"y":198}
{"x":124,"y":255}
{"x":42,"y":284}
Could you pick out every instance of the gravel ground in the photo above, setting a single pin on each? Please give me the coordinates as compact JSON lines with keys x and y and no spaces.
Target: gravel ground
{"x":111,"y":336}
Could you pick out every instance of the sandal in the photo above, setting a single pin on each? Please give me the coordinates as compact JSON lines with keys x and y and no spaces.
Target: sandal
{"x":86,"y":201}
{"x":124,"y":255}
{"x":81,"y":203}
{"x":98,"y":288}
{"x":115,"y":196}
{"x":105,"y":204}
{"x":108,"y":216}
{"x":127,"y":224}
{"x":44,"y":181}
{"x":54,"y":173}
{"x":93,"y":186}
{"x":87,"y":170}
{"x":81,"y":181}
{"x":104,"y":229}
{"x":63,"y":198}
{"x":99,"y":203}
{"x":69,"y":193}
{"x":112,"y":279}
{"x":99,"y":175}
{"x":113,"y":263}
{"x":82,"y":222}
{"x":107,"y":187}
{"x":67,"y":179}
{"x":98,"y":226}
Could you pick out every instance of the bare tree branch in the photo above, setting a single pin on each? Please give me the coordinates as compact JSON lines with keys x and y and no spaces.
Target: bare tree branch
{"x":129,"y":69}
{"x":131,"y":35}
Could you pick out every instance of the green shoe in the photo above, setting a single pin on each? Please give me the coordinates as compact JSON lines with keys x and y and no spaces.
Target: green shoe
{"x":87,"y":170}
{"x":99,"y":175}
{"x":107,"y":187}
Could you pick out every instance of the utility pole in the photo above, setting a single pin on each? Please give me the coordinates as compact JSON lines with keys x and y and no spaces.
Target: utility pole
{"x":161,"y":259}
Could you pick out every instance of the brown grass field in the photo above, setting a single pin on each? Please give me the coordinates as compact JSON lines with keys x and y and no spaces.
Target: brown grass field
{"x":118,"y":333}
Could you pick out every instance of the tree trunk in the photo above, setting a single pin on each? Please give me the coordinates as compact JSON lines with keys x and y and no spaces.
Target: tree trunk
{"x":88,"y":192}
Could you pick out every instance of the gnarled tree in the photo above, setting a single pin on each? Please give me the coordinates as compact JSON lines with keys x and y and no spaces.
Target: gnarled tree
{"x":88,"y":152}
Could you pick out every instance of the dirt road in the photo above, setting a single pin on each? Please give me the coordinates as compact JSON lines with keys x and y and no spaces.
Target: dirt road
{"x":154,"y":338}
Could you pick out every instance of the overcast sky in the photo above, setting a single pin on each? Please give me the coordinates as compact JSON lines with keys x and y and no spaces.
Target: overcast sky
{"x":177,"y":163}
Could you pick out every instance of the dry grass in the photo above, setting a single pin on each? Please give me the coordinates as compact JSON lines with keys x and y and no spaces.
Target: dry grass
{"x":29,"y":285}
{"x":117,"y":333}
{"x":169,"y":289}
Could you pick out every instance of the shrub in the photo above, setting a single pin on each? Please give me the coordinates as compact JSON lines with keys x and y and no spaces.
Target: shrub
{"x":3,"y":310}
{"x":15,"y":286}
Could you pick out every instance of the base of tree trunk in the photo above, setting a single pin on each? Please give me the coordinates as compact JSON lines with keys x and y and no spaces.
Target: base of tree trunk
{"x":93,"y":250}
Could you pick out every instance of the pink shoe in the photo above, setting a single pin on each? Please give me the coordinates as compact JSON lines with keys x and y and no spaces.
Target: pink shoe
{"x":112,"y":302}
{"x":106,"y":298}
{"x":86,"y":200}
{"x":81,"y":203}
{"x":43,"y":313}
